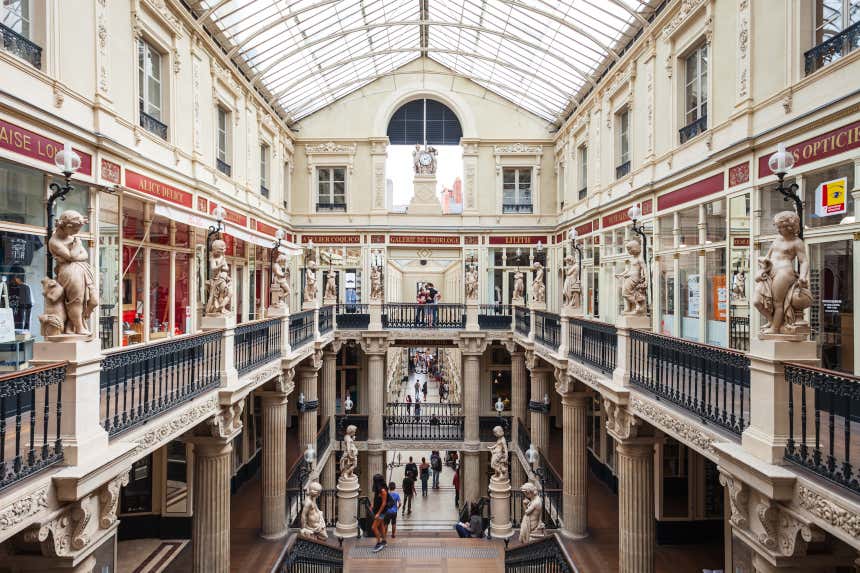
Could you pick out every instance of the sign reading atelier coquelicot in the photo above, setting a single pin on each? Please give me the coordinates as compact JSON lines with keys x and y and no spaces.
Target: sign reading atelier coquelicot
{"x":30,"y":144}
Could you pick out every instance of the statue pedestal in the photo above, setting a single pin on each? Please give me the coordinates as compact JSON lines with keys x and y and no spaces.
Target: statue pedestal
{"x":424,"y":200}
{"x":500,"y":508}
{"x":278,"y":311}
{"x":624,"y":324}
{"x":309,"y":305}
{"x":347,"y":508}
{"x":328,"y":301}
{"x":472,"y":315}
{"x":214,"y":322}
{"x":375,"y":309}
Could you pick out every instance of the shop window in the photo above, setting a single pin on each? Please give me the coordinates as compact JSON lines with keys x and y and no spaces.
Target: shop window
{"x":772,"y":203}
{"x":150,"y":89}
{"x":582,"y":161}
{"x":622,"y":120}
{"x":133,"y":219}
{"x":695,"y":94}
{"x":691,"y":295}
{"x":832,"y":316}
{"x":136,"y":497}
{"x":132,"y":284}
{"x":715,"y":220}
{"x":517,"y":190}
{"x":718,"y":297}
{"x":331,"y":189}
{"x":688,"y":227}
{"x":159,"y":230}
{"x":739,"y":214}
{"x":159,"y":294}
{"x":222,"y":150}
{"x":667,"y":296}
{"x":836,"y":23}
{"x":828,"y":197}
{"x":667,"y":234}
{"x":109,"y":271}
{"x":182,"y":294}
{"x":22,"y":195}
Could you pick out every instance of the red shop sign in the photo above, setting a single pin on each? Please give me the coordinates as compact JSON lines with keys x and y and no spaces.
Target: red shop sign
{"x":526,"y":240}
{"x":30,"y":144}
{"x":144,"y":184}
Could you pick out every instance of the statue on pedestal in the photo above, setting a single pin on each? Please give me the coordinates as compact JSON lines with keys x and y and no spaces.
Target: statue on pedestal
{"x":424,"y":160}
{"x":74,"y":288}
{"x":782,"y":293}
{"x":312,"y":519}
{"x":376,"y":288}
{"x":571,"y":294}
{"x":634,"y":287}
{"x":349,"y":456}
{"x":472,"y":283}
{"x":518,"y":296}
{"x":538,"y":286}
{"x":499,"y":455}
{"x":531,"y":526}
{"x":311,"y":282}
{"x":220,"y":284}
{"x":330,"y":294}
{"x":280,"y":281}
{"x":739,"y":285}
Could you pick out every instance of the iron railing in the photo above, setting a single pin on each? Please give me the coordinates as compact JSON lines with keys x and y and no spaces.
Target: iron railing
{"x":522,"y":320}
{"x":594,"y":343}
{"x":424,"y":409}
{"x":552,"y":504}
{"x":709,"y":381}
{"x":693,"y":129}
{"x":546,"y":555}
{"x":823,"y":411}
{"x":264,"y":191}
{"x":486,"y":425}
{"x":301,"y":328}
{"x":352,"y":316}
{"x":547,"y":329}
{"x":739,"y":333}
{"x":323,"y":438}
{"x":151,"y":124}
{"x":331,"y":207}
{"x":17,"y":44}
{"x":224,"y":167}
{"x":326,"y":319}
{"x":519,"y":208}
{"x":423,"y":427}
{"x":141,"y":382}
{"x":257,"y":343}
{"x":622,"y":170}
{"x":358,"y":420}
{"x":582,"y":193}
{"x":31,"y":403}
{"x":414,"y":315}
{"x":308,"y":556}
{"x":524,"y":438}
{"x":495,"y":316}
{"x":833,"y":48}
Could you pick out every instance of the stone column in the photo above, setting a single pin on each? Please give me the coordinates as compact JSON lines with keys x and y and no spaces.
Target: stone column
{"x":308,"y":418}
{"x":472,"y":346}
{"x":328,"y":388}
{"x":273,"y":514}
{"x":519,"y":402}
{"x":329,"y":472}
{"x":539,"y":418}
{"x":213,"y":467}
{"x":575,"y":464}
{"x":376,"y":347}
{"x":636,"y":528}
{"x":518,"y":473}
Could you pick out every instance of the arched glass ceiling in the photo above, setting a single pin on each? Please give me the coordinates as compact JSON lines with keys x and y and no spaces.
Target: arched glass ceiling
{"x":539,"y":54}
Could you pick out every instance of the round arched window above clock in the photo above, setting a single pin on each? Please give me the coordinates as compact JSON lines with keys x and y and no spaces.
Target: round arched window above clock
{"x":424,"y":121}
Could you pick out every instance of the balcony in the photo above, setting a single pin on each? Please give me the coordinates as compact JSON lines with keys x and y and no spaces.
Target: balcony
{"x":594,"y":343}
{"x":423,"y":427}
{"x":151,"y":124}
{"x":15,"y":43}
{"x":257,"y":343}
{"x":301,"y":328}
{"x":622,"y":170}
{"x":414,"y":315}
{"x":331,"y":207}
{"x":517,"y":208}
{"x":264,"y":191}
{"x":495,"y":317}
{"x":224,"y":167}
{"x":547,"y":329}
{"x":690,"y":131}
{"x":326,"y":319}
{"x":832,"y":48}
{"x":583,"y":193}
{"x":352,"y":316}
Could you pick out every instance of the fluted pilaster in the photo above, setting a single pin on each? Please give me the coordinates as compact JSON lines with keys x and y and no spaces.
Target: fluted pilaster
{"x":470,"y":476}
{"x":328,"y":388}
{"x":210,"y":527}
{"x":274,"y":473}
{"x":519,"y":402}
{"x":471,"y":396}
{"x":575,"y":492}
{"x":308,"y":418}
{"x":539,"y":420}
{"x":329,"y":473}
{"x":376,"y":395}
{"x":636,"y":527}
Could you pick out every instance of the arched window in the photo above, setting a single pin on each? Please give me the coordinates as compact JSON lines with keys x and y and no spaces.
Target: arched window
{"x":424,"y":121}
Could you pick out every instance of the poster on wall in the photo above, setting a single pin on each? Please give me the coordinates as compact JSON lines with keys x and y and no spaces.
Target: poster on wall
{"x":694,"y":296}
{"x":830,"y":198}
{"x":720,"y":297}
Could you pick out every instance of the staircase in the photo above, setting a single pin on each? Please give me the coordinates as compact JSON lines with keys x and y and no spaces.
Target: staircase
{"x":425,"y":554}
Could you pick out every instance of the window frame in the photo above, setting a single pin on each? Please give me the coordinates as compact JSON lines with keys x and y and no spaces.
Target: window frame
{"x":700,"y":54}
{"x":26,"y":19}
{"x":223,"y":154}
{"x":330,"y":169}
{"x":265,"y":164}
{"x":819,"y":25}
{"x":582,"y":171}
{"x":517,"y":199}
{"x":623,"y":150}
{"x":148,"y":48}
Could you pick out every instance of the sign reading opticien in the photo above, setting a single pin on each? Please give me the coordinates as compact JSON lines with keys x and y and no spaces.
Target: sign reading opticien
{"x":825,"y":145}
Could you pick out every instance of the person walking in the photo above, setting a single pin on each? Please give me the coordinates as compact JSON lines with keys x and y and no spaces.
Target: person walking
{"x":392,"y":513}
{"x":424,"y":468}
{"x":382,"y":502}
{"x":417,"y":388}
{"x":436,"y":467}
{"x":417,"y":407}
{"x":408,"y":488}
{"x":408,"y":404}
{"x":456,"y":486}
{"x":411,"y":469}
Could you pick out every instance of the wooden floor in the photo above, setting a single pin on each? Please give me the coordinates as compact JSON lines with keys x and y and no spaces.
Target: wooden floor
{"x":425,"y":555}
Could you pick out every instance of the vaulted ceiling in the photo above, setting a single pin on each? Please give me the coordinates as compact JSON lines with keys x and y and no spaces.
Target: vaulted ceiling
{"x":539,"y":54}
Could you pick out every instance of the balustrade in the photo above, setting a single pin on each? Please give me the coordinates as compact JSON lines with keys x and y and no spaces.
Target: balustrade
{"x":140,"y":382}
{"x":31,"y":407}
{"x":423,"y":427}
{"x":257,"y":343}
{"x":357,"y":420}
{"x":495,"y":316}
{"x":833,"y":48}
{"x":351,"y":316}
{"x":17,"y":44}
{"x":594,"y":343}
{"x":307,"y":556}
{"x":693,"y":129}
{"x":301,"y":328}
{"x":425,"y":408}
{"x":547,"y":329}
{"x":546,"y":555}
{"x":326,"y":319}
{"x":486,"y":424}
{"x":710,"y":381}
{"x":414,"y":315}
{"x":522,"y":320}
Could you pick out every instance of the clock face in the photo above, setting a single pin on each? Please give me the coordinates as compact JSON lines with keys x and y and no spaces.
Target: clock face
{"x":425,"y":158}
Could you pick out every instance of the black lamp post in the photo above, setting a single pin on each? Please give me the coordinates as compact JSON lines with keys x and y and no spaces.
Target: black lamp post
{"x":780,"y":163}
{"x":69,"y":162}
{"x":635,"y":213}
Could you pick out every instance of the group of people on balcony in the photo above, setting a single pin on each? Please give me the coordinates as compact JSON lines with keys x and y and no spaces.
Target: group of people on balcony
{"x":427,"y":296}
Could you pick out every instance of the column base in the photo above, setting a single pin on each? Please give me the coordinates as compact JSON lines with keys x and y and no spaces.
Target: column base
{"x":347,"y":508}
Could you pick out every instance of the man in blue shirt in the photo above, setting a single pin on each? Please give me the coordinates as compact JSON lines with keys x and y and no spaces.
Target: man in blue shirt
{"x":391,"y":514}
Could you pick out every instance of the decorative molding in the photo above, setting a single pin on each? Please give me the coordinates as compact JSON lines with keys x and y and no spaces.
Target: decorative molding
{"x":687,"y":9}
{"x":103,"y":44}
{"x":673,"y":425}
{"x":160,"y":8}
{"x":329,"y":148}
{"x":584,"y":374}
{"x":738,"y":499}
{"x":474,"y":345}
{"x":743,"y":52}
{"x":787,"y":102}
{"x":829,"y":511}
{"x":619,"y":421}
{"x":284,"y":383}
{"x":227,"y":421}
{"x":518,"y":149}
{"x":179,"y":424}
{"x":768,"y":517}
{"x":23,"y":508}
{"x":620,"y":80}
{"x":81,"y":513}
{"x":794,"y":535}
{"x":109,"y":498}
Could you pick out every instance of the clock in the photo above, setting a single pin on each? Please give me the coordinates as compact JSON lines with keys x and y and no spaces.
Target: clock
{"x":425,"y":158}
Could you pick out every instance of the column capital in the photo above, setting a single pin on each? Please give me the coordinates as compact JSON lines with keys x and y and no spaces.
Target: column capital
{"x":222,"y":427}
{"x":513,"y":348}
{"x":472,"y":344}
{"x":636,"y":447}
{"x":620,"y":423}
{"x":332,"y":349}
{"x":285,"y":383}
{"x":575,"y":399}
{"x":536,"y":364}
{"x":374,"y":343}
{"x":273,"y":397}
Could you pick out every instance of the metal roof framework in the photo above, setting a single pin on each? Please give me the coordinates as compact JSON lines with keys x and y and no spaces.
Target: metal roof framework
{"x":538,"y":54}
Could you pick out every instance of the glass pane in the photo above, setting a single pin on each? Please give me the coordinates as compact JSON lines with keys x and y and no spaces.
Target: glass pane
{"x":667,"y":296}
{"x":109,"y":270}
{"x":324,"y":174}
{"x":508,"y":176}
{"x":159,"y":230}
{"x":718,"y":297}
{"x":159,"y":294}
{"x":22,"y":266}
{"x":182,"y":294}
{"x":771,"y":204}
{"x":688,"y":224}
{"x":132,"y":295}
{"x":667,"y":237}
{"x":832,"y":316}
{"x":22,"y":195}
{"x":829,"y":200}
{"x":715,"y":220}
{"x":339,"y":174}
{"x":690,"y":282}
{"x":133,"y":219}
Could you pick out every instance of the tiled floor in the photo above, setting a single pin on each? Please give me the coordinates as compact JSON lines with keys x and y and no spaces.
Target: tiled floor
{"x":414,"y":555}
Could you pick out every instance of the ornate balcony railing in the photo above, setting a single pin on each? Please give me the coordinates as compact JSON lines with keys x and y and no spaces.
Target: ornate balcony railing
{"x":709,"y":381}
{"x":224,"y":167}
{"x":823,"y":412}
{"x":693,"y":129}
{"x":739,"y":333}
{"x":832,"y":48}
{"x":301,"y":328}
{"x":546,"y":555}
{"x":414,"y":315}
{"x":306,"y":556}
{"x":151,"y":124}
{"x":547,"y":329}
{"x":256,"y":343}
{"x":30,"y":421}
{"x":522,"y":320}
{"x":583,"y":193}
{"x":264,"y":191}
{"x":423,"y":409}
{"x":495,"y":316}
{"x":594,"y":343}
{"x":331,"y":207}
{"x":486,"y":425}
{"x":139,"y":383}
{"x":517,"y":208}
{"x":17,"y":44}
{"x":423,"y":427}
{"x":622,"y":170}
{"x":326,"y":319}
{"x":352,"y":316}
{"x":357,"y":420}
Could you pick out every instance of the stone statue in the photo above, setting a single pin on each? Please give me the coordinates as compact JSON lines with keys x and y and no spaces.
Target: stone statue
{"x":519,"y":288}
{"x":538,"y":286}
{"x":313,"y":520}
{"x":499,"y":455}
{"x":634,"y":288}
{"x":54,"y":320}
{"x":472,"y":283}
{"x":220,"y":285}
{"x":782,"y":293}
{"x":281,"y":281}
{"x":311,"y":282}
{"x":739,"y":285}
{"x":349,"y":457}
{"x":424,"y":160}
{"x":531,"y":527}
{"x":330,"y":294}
{"x":571,"y":294}
{"x":376,"y":287}
{"x":73,"y":273}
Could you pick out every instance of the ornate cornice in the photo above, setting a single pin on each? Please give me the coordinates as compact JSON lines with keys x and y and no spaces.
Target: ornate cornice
{"x":182,"y":422}
{"x":329,"y":148}
{"x":687,"y":9}
{"x":681,"y":429}
{"x":518,"y":149}
{"x":829,"y":511}
{"x":23,"y":508}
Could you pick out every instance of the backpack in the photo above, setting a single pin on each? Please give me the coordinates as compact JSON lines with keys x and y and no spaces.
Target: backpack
{"x":436,"y":464}
{"x":389,"y":503}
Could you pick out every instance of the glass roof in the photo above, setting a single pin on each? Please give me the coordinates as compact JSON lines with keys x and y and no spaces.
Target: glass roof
{"x":539,"y":54}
